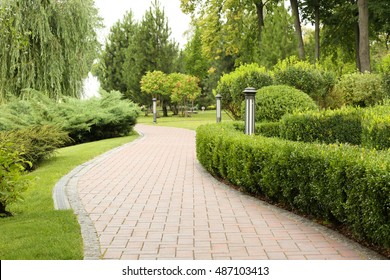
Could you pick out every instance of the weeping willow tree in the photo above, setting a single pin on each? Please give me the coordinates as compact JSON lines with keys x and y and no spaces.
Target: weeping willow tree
{"x":46,"y":45}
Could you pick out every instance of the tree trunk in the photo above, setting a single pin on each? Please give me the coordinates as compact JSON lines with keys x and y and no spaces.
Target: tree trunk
{"x":260,"y":16}
{"x":364,"y":42}
{"x":298,"y":29}
{"x":317,"y":31}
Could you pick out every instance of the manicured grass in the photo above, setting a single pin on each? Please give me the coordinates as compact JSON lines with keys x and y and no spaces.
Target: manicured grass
{"x":182,"y":122}
{"x":37,"y":231}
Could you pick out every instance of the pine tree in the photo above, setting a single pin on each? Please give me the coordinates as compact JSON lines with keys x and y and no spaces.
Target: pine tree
{"x":122,"y":34}
{"x":152,"y":49}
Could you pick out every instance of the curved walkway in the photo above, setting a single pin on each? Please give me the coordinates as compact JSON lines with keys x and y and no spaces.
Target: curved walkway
{"x":152,"y":200}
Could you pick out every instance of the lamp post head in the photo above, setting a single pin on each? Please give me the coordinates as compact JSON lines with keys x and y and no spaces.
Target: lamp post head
{"x":250,"y":91}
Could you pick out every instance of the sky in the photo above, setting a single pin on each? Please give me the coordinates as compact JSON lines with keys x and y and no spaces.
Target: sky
{"x":113,"y":10}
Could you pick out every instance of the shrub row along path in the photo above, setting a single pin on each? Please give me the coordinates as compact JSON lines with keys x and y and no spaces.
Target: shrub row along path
{"x":151,"y":199}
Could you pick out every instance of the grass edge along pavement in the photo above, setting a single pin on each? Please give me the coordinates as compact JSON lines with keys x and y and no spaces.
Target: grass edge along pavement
{"x":37,"y":231}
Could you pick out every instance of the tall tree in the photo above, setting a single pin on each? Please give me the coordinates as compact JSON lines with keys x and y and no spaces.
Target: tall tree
{"x":153,"y":49}
{"x":229,"y":26}
{"x":121,"y":35}
{"x":298,"y":29}
{"x":364,"y":42}
{"x":47,"y":45}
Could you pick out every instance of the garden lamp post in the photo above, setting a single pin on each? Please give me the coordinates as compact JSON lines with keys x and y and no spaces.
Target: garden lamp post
{"x":218,"y":100}
{"x":154,"y":110}
{"x":250,"y":94}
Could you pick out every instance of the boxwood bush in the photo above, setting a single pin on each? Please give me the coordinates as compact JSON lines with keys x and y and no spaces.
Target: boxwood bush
{"x":376,"y":128}
{"x":273,"y":102}
{"x":344,"y":184}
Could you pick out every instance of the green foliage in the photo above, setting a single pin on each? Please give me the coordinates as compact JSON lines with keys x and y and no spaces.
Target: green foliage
{"x":12,"y":184}
{"x":278,"y":38}
{"x":343,"y":184}
{"x":273,"y":102}
{"x":362,"y":90}
{"x":47,"y":45}
{"x":231,"y":86}
{"x":35,"y":143}
{"x":305,"y":77}
{"x":155,"y":83}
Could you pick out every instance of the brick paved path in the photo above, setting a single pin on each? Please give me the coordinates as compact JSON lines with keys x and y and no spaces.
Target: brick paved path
{"x":152,"y":200}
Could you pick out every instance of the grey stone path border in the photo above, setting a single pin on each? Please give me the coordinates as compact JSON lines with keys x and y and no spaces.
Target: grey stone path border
{"x":66,"y":197}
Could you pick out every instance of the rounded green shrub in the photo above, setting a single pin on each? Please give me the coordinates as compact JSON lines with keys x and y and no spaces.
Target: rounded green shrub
{"x":231,"y":86}
{"x":273,"y":102}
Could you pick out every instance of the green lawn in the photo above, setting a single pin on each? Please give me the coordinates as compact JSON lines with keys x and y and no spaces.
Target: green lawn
{"x":37,"y":231}
{"x":182,"y":122}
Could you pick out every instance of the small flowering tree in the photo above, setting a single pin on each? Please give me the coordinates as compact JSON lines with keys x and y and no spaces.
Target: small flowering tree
{"x":184,"y":88}
{"x":155,"y":84}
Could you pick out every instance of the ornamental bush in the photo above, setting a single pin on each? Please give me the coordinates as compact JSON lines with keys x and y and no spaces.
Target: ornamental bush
{"x":96,"y":118}
{"x":35,"y":143}
{"x":12,"y":183}
{"x":361,"y":90}
{"x":273,"y":102}
{"x":83,"y":120}
{"x":341,"y":183}
{"x":304,"y":76}
{"x":231,"y":86}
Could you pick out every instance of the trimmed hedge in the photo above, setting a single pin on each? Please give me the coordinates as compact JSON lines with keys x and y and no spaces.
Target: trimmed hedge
{"x":331,"y":126}
{"x":376,"y":128}
{"x":341,"y":183}
{"x":369,"y":127}
{"x":267,"y":129}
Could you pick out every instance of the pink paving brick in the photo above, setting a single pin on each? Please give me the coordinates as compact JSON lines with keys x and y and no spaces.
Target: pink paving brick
{"x":152,"y":200}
